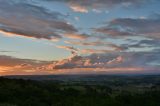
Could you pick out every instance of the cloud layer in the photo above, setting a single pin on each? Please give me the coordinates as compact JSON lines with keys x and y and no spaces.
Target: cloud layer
{"x":132,"y":27}
{"x":13,"y":65}
{"x":24,"y":19}
{"x":143,"y":60}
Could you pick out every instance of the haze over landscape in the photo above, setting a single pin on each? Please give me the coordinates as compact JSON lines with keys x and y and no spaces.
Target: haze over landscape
{"x":39,"y":37}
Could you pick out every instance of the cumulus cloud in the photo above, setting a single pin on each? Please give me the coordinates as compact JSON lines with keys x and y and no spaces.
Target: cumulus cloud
{"x":105,"y":61}
{"x":25,"y":19}
{"x":108,"y":62}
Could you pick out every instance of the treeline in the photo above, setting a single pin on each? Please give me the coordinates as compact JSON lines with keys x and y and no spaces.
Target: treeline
{"x":14,"y":92}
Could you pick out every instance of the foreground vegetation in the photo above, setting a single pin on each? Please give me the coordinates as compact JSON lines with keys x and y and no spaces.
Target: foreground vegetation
{"x":18,"y":92}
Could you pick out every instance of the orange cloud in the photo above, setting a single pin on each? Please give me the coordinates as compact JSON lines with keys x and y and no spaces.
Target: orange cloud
{"x":92,"y":51}
{"x":4,"y":68}
{"x":78,"y":8}
{"x":76,"y":36}
{"x":14,"y":65}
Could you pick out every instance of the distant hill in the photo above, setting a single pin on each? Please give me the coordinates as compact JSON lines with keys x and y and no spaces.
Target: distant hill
{"x":94,"y":79}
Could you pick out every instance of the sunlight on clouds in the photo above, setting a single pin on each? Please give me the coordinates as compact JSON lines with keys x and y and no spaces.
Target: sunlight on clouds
{"x":10,"y":34}
{"x":78,"y":8}
{"x":4,"y":68}
{"x":76,"y":36}
{"x":73,"y":42}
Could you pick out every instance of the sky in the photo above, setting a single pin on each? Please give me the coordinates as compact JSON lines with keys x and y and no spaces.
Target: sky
{"x":39,"y":37}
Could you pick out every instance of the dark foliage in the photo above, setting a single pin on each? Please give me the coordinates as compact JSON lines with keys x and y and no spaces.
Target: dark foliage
{"x":14,"y":92}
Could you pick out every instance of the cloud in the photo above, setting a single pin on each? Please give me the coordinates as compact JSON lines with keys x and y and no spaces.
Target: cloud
{"x":97,"y":43}
{"x":68,"y":48}
{"x":26,"y":19}
{"x":6,"y":51}
{"x":117,"y":60}
{"x":73,"y":50}
{"x":130,"y":60}
{"x":111,"y":62}
{"x":92,"y":51}
{"x":150,"y":44}
{"x":76,"y":36}
{"x":85,"y":5}
{"x":76,"y":51}
{"x":78,"y":8}
{"x":88,"y":43}
{"x":132,"y":27}
{"x":77,"y":18}
{"x":11,"y":64}
{"x":97,"y":11}
{"x":114,"y":32}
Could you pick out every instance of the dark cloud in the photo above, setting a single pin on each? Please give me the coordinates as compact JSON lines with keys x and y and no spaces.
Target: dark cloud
{"x":149,"y":44}
{"x":114,"y":32}
{"x":132,"y":27}
{"x":26,"y":19}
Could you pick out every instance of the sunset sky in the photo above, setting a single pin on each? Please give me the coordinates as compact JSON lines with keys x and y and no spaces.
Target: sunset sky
{"x":79,"y":37}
